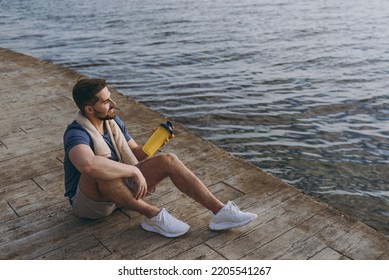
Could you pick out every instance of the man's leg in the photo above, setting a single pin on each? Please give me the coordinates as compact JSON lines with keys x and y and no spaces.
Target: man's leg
{"x":117,"y":192}
{"x":158,"y":220}
{"x":168,"y":165}
{"x":154,"y":170}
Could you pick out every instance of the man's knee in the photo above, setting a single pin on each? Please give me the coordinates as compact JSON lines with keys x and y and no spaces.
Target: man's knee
{"x":170,"y":159}
{"x":97,"y":189}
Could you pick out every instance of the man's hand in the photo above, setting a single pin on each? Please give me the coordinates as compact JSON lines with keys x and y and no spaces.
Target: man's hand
{"x":140,"y":182}
{"x":166,"y":140}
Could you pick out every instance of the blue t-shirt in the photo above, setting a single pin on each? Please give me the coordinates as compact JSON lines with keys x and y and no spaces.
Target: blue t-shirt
{"x":76,"y":135}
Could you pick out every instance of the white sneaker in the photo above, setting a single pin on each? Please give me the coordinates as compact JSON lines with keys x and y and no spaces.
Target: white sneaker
{"x":165,"y":224}
{"x":229,"y":217}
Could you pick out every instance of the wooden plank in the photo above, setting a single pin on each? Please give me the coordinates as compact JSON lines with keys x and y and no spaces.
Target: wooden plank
{"x":200,"y":252}
{"x":384,"y":256}
{"x":328,"y":254}
{"x":250,"y":179}
{"x":20,"y":227}
{"x":52,"y":179}
{"x":225,"y":192}
{"x":270,"y":225}
{"x":2,"y":147}
{"x":42,"y":120}
{"x":260,"y":204}
{"x":32,"y":143}
{"x":32,"y":110}
{"x":6,"y":211}
{"x":17,"y":190}
{"x":134,"y":243}
{"x":41,"y":242}
{"x":122,"y":228}
{"x":36,"y":201}
{"x":224,"y":169}
{"x":84,"y":249}
{"x":215,"y":167}
{"x":306,"y":239}
{"x":8,"y":128}
{"x":201,"y":160}
{"x":28,"y":166}
{"x":48,"y":191}
{"x":361,"y":243}
{"x":140,"y":244}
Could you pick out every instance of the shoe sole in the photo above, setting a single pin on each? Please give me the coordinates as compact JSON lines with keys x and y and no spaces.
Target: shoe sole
{"x":224,"y":226}
{"x":159,"y":231}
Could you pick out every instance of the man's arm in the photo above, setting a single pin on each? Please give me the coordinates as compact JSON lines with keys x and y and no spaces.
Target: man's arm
{"x":137,"y":150}
{"x":100,"y":167}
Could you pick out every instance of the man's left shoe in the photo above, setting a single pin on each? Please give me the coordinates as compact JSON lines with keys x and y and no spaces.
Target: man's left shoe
{"x":230,"y":216}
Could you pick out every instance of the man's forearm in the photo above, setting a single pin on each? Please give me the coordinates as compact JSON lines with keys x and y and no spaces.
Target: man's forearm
{"x":139,"y":153}
{"x":106,"y":169}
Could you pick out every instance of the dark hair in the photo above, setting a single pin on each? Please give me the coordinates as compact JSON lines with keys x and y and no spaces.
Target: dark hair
{"x":85,"y":90}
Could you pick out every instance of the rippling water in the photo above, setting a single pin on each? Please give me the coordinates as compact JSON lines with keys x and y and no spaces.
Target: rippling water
{"x":298,"y":88}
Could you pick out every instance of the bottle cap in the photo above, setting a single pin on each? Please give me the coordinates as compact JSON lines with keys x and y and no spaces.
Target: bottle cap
{"x":168,"y":126}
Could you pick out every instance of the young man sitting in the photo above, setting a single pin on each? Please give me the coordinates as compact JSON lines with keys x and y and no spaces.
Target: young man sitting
{"x":106,"y":169}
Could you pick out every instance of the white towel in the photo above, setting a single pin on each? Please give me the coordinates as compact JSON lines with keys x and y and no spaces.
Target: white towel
{"x":118,"y":140}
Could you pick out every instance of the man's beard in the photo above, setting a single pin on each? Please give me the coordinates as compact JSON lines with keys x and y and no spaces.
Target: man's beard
{"x":108,"y":116}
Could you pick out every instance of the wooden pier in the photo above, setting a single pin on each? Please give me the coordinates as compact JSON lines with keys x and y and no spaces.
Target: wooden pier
{"x":36,"y":221}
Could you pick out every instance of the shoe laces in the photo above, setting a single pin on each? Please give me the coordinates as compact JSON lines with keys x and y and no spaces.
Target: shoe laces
{"x":165,"y":217}
{"x":233,"y":207}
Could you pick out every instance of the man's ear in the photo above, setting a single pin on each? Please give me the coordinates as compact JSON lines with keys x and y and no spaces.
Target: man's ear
{"x":88,"y":109}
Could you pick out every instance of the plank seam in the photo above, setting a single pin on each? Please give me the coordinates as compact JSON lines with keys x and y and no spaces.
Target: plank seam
{"x":33,"y":180}
{"x":13,"y":209}
{"x":102,"y":244}
{"x":1,"y":142}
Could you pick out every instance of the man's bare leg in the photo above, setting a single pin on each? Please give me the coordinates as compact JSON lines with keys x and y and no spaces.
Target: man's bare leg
{"x":154,"y":170}
{"x":117,"y":192}
{"x":168,"y":165}
{"x":158,"y":220}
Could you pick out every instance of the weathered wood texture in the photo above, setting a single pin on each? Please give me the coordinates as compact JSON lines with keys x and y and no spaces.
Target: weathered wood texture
{"x":36,"y":221}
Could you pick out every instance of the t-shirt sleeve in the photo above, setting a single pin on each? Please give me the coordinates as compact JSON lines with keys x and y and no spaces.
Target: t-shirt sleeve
{"x":74,"y":137}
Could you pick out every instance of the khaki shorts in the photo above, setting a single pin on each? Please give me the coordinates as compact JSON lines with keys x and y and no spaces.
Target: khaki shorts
{"x":87,"y":208}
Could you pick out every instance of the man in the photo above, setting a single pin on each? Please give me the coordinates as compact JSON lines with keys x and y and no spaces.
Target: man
{"x":106,"y":169}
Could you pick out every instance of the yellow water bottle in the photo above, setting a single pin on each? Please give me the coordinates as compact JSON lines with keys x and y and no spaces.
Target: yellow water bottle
{"x":163,"y":132}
